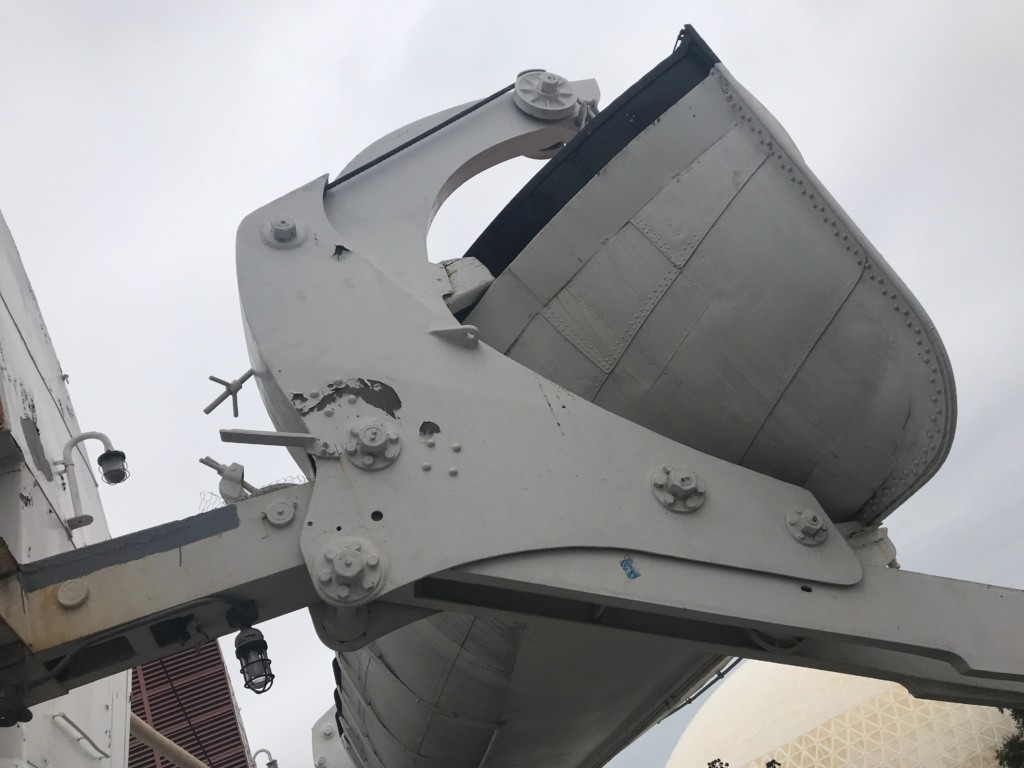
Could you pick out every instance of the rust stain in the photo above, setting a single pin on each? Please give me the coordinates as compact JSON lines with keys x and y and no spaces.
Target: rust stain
{"x":8,"y":564}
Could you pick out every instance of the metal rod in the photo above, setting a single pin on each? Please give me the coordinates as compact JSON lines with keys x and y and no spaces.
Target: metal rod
{"x":215,"y":465}
{"x":231,"y":389}
{"x":69,"y":465}
{"x":163,"y":746}
{"x":82,"y":735}
{"x":490,"y":746}
{"x":429,"y":132}
{"x":260,"y":437}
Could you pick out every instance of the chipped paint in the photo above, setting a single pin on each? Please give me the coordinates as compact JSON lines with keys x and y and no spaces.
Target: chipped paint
{"x":77,"y":563}
{"x":372,"y":392}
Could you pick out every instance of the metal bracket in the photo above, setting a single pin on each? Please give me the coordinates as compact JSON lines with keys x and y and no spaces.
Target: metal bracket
{"x":262,"y":437}
{"x":231,"y":389}
{"x":545,"y":478}
{"x":463,"y":335}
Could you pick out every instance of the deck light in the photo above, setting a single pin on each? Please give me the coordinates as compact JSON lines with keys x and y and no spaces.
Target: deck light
{"x":251,"y":652}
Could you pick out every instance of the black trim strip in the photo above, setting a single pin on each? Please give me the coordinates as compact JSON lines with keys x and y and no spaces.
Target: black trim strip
{"x":125,"y":549}
{"x":591,"y":150}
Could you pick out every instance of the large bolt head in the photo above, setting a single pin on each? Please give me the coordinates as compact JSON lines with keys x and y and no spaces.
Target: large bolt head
{"x":372,"y":439}
{"x":283,"y":228}
{"x":280,"y":513}
{"x":807,"y":526}
{"x":681,"y":484}
{"x":549,"y":83}
{"x":544,"y":95}
{"x":679,"y":489}
{"x":348,"y":564}
{"x":348,"y":571}
{"x":373,"y":446}
{"x":283,"y":233}
{"x":685,"y":487}
{"x":810,"y":522}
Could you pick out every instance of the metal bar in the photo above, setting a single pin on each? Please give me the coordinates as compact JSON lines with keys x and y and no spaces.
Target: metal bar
{"x":260,"y":437}
{"x":163,"y":746}
{"x":135,"y":592}
{"x":490,"y":746}
{"x":936,"y":649}
{"x":82,"y":735}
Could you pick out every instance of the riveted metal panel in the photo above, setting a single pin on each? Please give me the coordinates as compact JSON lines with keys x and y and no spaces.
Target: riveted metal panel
{"x":752,"y":359}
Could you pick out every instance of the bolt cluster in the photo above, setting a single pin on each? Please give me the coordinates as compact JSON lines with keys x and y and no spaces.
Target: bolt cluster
{"x":679,"y":489}
{"x":372,"y":445}
{"x":349,"y":570}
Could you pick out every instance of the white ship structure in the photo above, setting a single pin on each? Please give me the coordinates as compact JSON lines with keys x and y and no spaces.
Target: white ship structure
{"x":652,"y":420}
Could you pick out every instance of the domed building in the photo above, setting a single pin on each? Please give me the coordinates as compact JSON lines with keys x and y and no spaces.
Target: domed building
{"x":800,"y":718}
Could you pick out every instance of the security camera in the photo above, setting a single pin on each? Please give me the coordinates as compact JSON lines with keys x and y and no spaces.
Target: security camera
{"x":113,"y":467}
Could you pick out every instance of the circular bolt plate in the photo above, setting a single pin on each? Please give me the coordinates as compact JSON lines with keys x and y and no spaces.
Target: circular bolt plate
{"x":544,"y":95}
{"x":280,"y":513}
{"x":807,"y":526}
{"x":372,"y":446}
{"x":677,"y":488}
{"x":348,"y":571}
{"x":73,"y":593}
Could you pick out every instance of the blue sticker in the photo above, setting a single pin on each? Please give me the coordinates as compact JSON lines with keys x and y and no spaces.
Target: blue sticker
{"x":629,"y":568}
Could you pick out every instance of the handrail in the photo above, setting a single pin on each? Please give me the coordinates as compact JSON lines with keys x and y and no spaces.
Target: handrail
{"x":82,"y":735}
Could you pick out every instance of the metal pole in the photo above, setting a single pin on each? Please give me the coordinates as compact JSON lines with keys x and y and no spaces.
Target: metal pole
{"x":163,"y":746}
{"x":69,"y":465}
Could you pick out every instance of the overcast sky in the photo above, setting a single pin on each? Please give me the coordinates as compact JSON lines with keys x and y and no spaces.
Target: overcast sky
{"x":135,"y":136}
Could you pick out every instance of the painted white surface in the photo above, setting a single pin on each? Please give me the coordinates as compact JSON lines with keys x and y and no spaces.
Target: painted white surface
{"x":35,"y":506}
{"x":136,"y":137}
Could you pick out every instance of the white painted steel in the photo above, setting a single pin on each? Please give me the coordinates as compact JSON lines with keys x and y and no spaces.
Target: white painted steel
{"x":707,"y":286}
{"x":520,"y":596}
{"x":328,"y":746}
{"x":539,"y":471}
{"x":173,"y":753}
{"x":36,"y":421}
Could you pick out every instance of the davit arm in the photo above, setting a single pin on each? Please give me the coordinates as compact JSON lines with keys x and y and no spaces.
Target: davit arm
{"x":449,"y":477}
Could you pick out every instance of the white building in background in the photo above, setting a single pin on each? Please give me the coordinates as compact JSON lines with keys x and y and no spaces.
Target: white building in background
{"x":802,"y":718}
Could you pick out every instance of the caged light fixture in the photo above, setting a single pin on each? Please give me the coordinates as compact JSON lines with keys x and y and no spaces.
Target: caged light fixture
{"x":251,"y":652}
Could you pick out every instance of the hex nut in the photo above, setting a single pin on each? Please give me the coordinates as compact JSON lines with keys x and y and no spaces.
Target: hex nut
{"x":348,"y":571}
{"x":283,"y":228}
{"x":544,"y":95}
{"x":372,"y":445}
{"x":807,"y":526}
{"x":283,"y":233}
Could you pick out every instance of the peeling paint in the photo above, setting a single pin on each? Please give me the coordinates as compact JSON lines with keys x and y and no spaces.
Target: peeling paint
{"x":372,"y":392}
{"x":30,"y":433}
{"x":428,"y":429}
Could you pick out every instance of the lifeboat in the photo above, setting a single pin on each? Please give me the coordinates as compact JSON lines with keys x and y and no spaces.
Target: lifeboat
{"x":678,"y":264}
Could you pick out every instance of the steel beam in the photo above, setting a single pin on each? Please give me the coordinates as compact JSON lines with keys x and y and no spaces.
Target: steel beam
{"x":91,"y":612}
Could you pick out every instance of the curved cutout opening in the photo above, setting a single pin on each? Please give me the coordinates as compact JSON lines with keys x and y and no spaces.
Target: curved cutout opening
{"x":471,"y":207}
